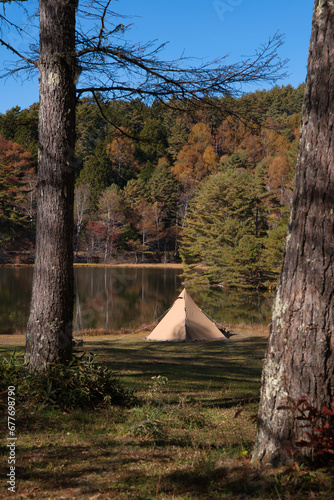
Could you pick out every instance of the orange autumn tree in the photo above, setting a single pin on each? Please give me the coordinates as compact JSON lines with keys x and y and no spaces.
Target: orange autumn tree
{"x":235,"y":136}
{"x":121,"y":153}
{"x":17,"y":185}
{"x":230,"y":135}
{"x":280,"y":143}
{"x":197,"y":158}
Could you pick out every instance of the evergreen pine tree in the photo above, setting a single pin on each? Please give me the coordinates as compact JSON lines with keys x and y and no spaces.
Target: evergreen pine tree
{"x":97,"y":172}
{"x":225,"y":229}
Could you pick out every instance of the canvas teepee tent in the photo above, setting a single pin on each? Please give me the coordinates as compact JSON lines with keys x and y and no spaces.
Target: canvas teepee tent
{"x":185,"y":321}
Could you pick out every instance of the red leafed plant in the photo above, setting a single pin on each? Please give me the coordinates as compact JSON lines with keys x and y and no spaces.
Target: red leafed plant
{"x":317,"y":423}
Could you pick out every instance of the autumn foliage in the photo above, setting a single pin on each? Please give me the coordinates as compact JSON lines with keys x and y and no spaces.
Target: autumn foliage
{"x":210,"y":187}
{"x":17,"y":195}
{"x":316,"y":426}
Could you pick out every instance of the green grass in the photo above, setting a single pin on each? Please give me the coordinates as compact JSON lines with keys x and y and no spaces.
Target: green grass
{"x":182,"y":441}
{"x":203,"y":370}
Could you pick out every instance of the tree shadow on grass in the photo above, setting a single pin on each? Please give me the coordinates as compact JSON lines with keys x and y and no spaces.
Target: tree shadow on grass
{"x":208,"y":481}
{"x":139,"y":472}
{"x":212,"y":367}
{"x":86,"y":463}
{"x":239,"y":358}
{"x":235,"y":481}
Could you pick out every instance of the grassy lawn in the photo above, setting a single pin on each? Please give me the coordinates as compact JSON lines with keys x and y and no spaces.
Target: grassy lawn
{"x":181,"y":441}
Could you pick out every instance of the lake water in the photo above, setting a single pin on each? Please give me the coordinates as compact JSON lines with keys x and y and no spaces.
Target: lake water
{"x":112,"y":298}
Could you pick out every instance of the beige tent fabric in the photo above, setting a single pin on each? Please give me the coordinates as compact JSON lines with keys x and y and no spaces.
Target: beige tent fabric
{"x":185,"y":321}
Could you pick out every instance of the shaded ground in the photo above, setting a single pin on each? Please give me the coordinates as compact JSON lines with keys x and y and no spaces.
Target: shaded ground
{"x":181,"y":442}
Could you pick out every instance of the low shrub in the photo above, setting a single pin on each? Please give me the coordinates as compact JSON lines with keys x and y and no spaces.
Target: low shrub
{"x":151,"y":428}
{"x":81,"y":383}
{"x":317,"y":424}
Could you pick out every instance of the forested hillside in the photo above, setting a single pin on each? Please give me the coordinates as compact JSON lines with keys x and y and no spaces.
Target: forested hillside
{"x":209,"y":187}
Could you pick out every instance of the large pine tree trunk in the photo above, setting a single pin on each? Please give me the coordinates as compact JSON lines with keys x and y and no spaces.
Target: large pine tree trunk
{"x":300,"y":355}
{"x":49,"y":330}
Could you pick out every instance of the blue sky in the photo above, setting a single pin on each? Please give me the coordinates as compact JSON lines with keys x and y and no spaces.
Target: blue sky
{"x":204,"y":29}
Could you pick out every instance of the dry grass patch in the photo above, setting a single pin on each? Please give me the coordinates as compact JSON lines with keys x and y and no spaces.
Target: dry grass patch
{"x":245,"y":330}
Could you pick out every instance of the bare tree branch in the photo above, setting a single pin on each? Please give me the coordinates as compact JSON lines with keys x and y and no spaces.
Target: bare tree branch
{"x":107,"y":64}
{"x":14,"y":51}
{"x":117,"y":69}
{"x":28,"y":57}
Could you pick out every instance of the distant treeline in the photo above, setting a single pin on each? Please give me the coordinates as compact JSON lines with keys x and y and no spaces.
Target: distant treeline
{"x":209,"y":186}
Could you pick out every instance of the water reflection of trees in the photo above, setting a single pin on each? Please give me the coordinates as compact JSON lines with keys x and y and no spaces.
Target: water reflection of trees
{"x":122,"y":297}
{"x":112,"y":298}
{"x":15,"y":295}
{"x":233,"y":306}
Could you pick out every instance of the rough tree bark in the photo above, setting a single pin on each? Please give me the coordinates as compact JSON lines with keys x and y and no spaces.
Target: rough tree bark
{"x":300,"y":354}
{"x":49,"y":330}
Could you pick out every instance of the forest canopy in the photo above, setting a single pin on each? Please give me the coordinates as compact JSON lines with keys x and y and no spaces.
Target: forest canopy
{"x":209,"y":187}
